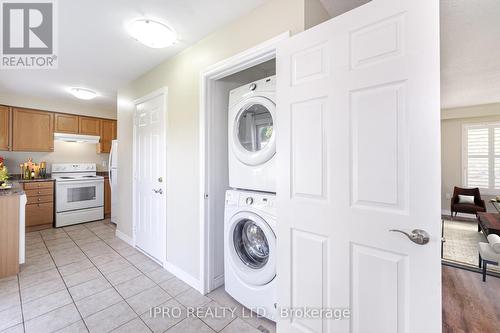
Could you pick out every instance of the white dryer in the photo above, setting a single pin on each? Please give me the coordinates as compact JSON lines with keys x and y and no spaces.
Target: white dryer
{"x":250,"y":250}
{"x":251,"y":137}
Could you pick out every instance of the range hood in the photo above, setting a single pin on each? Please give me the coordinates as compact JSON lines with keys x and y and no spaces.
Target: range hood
{"x":76,"y":138}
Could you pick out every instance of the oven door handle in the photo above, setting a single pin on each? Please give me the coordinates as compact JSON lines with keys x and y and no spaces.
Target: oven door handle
{"x":73,"y":182}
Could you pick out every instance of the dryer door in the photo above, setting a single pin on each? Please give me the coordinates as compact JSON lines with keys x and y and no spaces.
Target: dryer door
{"x":252,"y":248}
{"x":253,"y":138}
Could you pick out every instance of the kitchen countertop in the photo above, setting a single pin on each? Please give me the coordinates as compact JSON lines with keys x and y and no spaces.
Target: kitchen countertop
{"x":16,"y":189}
{"x":18,"y":178}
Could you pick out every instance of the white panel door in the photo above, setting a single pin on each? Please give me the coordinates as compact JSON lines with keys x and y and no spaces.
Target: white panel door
{"x":150,"y":169}
{"x":359,"y":154}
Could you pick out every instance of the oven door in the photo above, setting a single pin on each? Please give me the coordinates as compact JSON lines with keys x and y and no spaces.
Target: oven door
{"x":79,"y":194}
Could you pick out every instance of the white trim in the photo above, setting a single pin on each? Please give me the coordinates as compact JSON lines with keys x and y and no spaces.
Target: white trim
{"x":246,"y":59}
{"x":184,"y":276}
{"x":127,"y":239}
{"x":161,"y":91}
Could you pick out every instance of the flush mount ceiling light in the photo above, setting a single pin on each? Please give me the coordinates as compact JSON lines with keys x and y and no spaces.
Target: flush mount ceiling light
{"x":83,"y":93}
{"x":152,"y":33}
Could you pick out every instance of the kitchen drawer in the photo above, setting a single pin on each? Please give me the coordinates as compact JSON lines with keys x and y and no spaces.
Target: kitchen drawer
{"x":40,"y":199}
{"x":40,"y":191}
{"x":37,"y":214}
{"x":37,"y":185}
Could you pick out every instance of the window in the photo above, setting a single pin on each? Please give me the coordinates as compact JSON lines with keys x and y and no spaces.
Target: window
{"x":481,"y":157}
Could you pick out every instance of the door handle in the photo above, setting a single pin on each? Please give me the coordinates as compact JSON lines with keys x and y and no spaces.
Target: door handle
{"x":417,"y":236}
{"x":160,"y":191}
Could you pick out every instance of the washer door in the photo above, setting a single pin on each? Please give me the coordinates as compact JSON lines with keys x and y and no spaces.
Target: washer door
{"x":253,"y":138}
{"x":252,"y":248}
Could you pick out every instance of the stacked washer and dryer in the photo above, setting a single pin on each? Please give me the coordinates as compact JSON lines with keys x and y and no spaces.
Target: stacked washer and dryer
{"x":250,"y":216}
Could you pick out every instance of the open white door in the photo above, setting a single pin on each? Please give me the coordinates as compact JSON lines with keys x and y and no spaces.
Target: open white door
{"x":150,"y":168}
{"x":359,"y":154}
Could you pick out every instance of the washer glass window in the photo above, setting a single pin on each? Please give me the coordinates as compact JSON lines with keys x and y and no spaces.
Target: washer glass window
{"x":251,"y":244}
{"x":255,"y":127}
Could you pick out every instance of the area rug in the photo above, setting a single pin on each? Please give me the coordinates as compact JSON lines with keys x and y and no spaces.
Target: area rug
{"x":462,"y":238}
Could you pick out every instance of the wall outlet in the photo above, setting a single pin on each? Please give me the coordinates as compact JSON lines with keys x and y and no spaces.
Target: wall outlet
{"x":448,"y":196}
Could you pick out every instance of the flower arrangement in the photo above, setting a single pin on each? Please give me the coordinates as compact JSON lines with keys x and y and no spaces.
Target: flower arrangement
{"x":4,"y":172}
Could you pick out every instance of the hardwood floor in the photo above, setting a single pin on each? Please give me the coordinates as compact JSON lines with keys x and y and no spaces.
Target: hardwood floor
{"x":470,"y":305}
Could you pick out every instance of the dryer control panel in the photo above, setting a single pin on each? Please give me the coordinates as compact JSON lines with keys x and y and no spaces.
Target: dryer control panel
{"x":250,"y":199}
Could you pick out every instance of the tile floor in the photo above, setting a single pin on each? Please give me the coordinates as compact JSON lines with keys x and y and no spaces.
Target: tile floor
{"x":83,"y":279}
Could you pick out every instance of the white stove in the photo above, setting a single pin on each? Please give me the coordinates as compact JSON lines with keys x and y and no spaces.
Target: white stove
{"x":79,"y":193}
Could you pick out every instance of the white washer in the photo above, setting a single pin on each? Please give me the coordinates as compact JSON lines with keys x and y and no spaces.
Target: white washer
{"x":250,"y":250}
{"x":251,"y":138}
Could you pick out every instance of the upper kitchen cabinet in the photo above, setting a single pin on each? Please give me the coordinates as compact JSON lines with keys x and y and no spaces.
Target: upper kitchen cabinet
{"x":108,"y":133}
{"x":66,"y":123}
{"x":4,"y":128}
{"x":32,"y":130}
{"x":89,"y":126}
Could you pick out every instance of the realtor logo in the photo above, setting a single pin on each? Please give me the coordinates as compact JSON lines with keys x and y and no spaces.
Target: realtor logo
{"x":28,"y":34}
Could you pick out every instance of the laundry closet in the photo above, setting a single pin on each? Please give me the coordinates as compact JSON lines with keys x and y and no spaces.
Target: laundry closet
{"x":242,"y":185}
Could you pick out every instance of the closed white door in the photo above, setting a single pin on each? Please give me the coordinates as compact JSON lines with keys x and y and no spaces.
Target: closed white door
{"x":359,"y":155}
{"x":150,"y":171}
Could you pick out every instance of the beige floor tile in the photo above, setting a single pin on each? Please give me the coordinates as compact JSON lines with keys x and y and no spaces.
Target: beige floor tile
{"x":133,"y":326}
{"x":10,"y":317}
{"x":123,"y":275}
{"x":240,"y":326}
{"x":110,"y":318}
{"x":191,"y":325}
{"x":159,"y":275}
{"x":217,"y":316}
{"x":84,"y":241}
{"x":97,"y":302}
{"x":87,"y":274}
{"x":147,"y":299}
{"x":193,"y":298}
{"x":89,"y":288}
{"x":65,"y":257}
{"x":29,"y":280}
{"x":261,"y":323}
{"x":147,"y":266}
{"x":113,"y":266}
{"x":174,"y":286}
{"x":137,"y":258}
{"x":78,"y":327}
{"x":134,"y":286}
{"x":108,"y":257}
{"x":8,"y":285}
{"x":42,"y":289}
{"x":9,"y":300}
{"x":173,"y":314}
{"x":35,"y":252}
{"x":75,"y":267}
{"x":46,"y":304}
{"x":118,"y":244}
{"x":127,"y":251}
{"x":54,"y":320}
{"x":19,"y":328}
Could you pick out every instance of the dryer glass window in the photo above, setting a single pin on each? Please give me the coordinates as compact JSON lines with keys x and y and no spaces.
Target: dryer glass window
{"x":255,"y":127}
{"x":251,"y":244}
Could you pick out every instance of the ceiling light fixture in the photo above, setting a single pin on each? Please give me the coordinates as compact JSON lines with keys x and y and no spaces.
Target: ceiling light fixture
{"x":83,"y":93}
{"x":152,"y":33}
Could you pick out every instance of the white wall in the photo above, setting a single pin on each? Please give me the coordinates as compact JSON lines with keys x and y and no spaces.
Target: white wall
{"x":181,"y":74}
{"x":54,"y":105}
{"x":64,"y":152}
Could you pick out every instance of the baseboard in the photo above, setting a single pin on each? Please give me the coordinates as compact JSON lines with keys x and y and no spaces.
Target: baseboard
{"x":184,"y":276}
{"x":217,"y":282}
{"x":127,"y":239}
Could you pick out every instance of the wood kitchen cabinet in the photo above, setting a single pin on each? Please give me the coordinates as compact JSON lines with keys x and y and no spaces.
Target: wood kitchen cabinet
{"x":89,"y":126}
{"x":32,"y":130}
{"x":5,"y":127}
{"x":66,"y":123}
{"x":40,"y":205}
{"x":108,"y":133}
{"x":107,"y":197}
